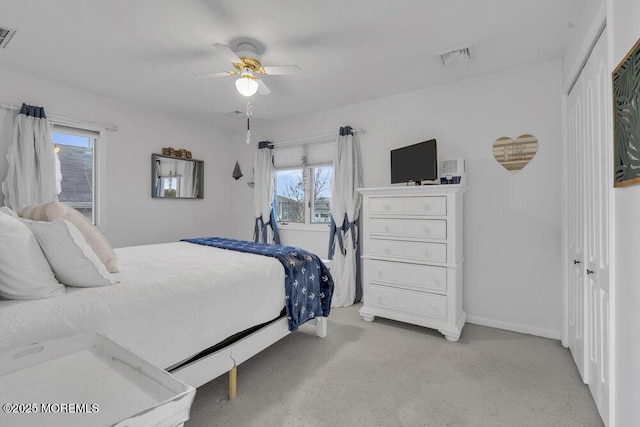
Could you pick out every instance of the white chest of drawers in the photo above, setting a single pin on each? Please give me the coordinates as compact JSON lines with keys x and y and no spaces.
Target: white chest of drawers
{"x":413,"y":255}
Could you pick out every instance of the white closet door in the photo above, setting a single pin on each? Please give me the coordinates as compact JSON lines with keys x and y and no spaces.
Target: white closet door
{"x":599,"y":183}
{"x":589,"y":162}
{"x":575,"y":200}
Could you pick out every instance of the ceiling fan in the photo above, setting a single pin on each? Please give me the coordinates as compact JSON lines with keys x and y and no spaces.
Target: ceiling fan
{"x":248,"y":68}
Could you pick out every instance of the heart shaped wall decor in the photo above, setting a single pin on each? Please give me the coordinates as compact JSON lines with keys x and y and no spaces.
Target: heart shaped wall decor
{"x":515,"y":155}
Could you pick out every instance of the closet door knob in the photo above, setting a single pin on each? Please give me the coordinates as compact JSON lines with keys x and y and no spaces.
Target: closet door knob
{"x":575,"y":261}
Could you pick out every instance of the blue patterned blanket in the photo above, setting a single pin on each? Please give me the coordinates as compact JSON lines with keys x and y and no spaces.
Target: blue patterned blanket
{"x":307,"y":282}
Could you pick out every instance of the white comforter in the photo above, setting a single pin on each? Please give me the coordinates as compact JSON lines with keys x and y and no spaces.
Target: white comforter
{"x":173,"y":300}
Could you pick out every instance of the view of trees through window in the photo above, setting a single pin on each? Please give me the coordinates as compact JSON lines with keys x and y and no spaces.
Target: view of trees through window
{"x":320,"y":201}
{"x":304,"y":193}
{"x":75,"y":154}
{"x":290,"y":188}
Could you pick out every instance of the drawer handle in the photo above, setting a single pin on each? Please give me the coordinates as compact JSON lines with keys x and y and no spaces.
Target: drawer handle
{"x":386,"y":207}
{"x":426,"y":207}
{"x":427,"y":231}
{"x":436,"y":281}
{"x":380,"y":273}
{"x":427,"y":254}
{"x":387,"y":229}
{"x":435,"y":308}
{"x":387,"y":251}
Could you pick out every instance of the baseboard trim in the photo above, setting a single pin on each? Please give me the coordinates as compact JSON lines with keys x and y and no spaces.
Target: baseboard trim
{"x":514,"y":327}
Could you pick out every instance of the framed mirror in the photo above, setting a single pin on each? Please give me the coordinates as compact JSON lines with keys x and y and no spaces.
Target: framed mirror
{"x":176,"y":177}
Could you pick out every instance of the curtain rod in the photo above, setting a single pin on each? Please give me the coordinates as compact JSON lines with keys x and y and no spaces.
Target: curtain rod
{"x":312,"y":139}
{"x":67,"y":120}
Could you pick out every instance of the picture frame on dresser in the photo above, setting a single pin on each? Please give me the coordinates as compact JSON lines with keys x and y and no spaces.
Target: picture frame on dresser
{"x":412,"y":262}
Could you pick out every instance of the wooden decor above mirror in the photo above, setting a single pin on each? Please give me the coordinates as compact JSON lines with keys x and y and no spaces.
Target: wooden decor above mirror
{"x":176,"y":178}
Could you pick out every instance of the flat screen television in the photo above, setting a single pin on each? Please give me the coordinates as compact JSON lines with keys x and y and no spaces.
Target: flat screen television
{"x":415,"y":163}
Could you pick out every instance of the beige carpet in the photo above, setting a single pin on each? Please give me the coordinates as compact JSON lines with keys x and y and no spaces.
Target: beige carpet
{"x":388,"y":373}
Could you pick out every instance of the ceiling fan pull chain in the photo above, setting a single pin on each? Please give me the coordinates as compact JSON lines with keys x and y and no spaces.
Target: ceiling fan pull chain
{"x":249,"y":113}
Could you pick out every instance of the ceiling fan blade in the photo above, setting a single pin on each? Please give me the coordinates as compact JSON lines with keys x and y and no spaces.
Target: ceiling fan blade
{"x":282,"y":69}
{"x":227,"y":52}
{"x":216,"y":74}
{"x":262,"y":88}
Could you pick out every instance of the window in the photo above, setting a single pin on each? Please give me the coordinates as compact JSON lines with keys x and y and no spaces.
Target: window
{"x":290,"y":196}
{"x":321,"y":195}
{"x":76,"y":155}
{"x":303,"y":195}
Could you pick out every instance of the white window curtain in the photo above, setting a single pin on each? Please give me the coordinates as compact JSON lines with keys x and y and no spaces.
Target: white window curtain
{"x":345,"y":213}
{"x":263,"y":193}
{"x":31,"y":176}
{"x":189,"y":181}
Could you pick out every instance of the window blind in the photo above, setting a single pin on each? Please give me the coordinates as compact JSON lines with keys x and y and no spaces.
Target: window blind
{"x":320,"y":152}
{"x":69,"y":130}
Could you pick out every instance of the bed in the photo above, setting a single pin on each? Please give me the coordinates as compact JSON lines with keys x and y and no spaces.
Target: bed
{"x":173,"y":301}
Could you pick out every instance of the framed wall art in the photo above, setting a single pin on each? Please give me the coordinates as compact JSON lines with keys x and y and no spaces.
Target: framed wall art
{"x":626,"y":119}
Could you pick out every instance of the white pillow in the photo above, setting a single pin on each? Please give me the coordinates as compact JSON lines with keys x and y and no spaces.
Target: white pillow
{"x":73,"y":261}
{"x":8,"y":211}
{"x":24,"y":270}
{"x":55,"y":210}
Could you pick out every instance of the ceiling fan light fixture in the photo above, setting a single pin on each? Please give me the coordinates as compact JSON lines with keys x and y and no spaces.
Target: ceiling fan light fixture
{"x":246,"y":85}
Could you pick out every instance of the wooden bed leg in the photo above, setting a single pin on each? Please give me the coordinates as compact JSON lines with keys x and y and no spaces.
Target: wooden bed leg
{"x":321,"y":327}
{"x":233,"y":382}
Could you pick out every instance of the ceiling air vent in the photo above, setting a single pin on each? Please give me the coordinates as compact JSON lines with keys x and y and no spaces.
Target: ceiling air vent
{"x":5,"y":36}
{"x":457,"y":56}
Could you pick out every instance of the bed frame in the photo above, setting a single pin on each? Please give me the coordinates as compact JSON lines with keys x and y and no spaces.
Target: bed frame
{"x":227,"y":359}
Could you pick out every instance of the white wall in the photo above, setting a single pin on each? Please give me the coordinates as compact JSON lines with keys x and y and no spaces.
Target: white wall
{"x":512,"y":222}
{"x":132,"y":216}
{"x":590,"y":17}
{"x":624,"y":18}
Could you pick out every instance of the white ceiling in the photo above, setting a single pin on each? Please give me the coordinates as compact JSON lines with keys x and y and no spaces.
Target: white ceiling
{"x":149,"y":52}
